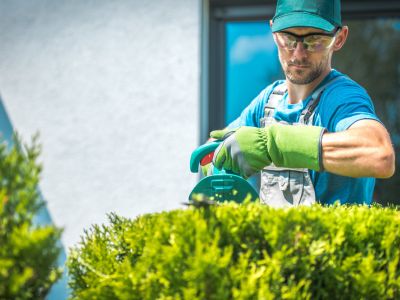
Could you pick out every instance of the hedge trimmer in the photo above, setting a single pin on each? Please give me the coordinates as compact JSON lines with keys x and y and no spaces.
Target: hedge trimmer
{"x":222,"y":185}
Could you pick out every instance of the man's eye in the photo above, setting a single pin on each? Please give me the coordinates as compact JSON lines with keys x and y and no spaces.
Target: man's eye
{"x":313,"y":39}
{"x":288,"y":37}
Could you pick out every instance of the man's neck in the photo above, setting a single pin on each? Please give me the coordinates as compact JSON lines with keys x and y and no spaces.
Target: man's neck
{"x":300,"y":92}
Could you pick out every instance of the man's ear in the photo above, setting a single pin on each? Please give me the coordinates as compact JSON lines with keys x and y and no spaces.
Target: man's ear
{"x":270,"y":23}
{"x":341,"y":38}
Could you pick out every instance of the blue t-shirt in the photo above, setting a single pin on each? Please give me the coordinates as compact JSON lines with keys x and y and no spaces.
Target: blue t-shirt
{"x":342,"y":103}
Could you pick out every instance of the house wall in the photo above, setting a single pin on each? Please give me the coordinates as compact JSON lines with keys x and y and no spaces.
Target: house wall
{"x":113,"y":89}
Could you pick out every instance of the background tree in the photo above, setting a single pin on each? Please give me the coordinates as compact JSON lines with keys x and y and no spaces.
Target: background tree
{"x":28,"y":252}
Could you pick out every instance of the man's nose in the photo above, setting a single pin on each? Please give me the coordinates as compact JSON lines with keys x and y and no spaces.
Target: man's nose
{"x":300,"y":51}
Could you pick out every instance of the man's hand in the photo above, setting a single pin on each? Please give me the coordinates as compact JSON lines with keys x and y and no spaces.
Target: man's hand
{"x":250,"y":149}
{"x":207,"y":169}
{"x":243,"y":152}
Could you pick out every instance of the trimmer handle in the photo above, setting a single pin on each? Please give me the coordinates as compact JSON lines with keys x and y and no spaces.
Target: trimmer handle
{"x":201,"y":153}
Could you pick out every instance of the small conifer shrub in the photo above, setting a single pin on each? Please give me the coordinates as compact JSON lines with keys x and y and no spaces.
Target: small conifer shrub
{"x":247,"y":251}
{"x":28,"y":253}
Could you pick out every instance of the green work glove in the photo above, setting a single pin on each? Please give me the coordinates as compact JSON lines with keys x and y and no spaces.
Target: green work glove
{"x":207,"y":169}
{"x":249,"y":149}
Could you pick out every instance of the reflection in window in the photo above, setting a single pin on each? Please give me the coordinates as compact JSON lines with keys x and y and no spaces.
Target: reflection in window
{"x":251,"y":64}
{"x":371,"y":57}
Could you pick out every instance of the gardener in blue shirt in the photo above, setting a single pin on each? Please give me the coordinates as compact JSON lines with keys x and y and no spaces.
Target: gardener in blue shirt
{"x":314,"y":136}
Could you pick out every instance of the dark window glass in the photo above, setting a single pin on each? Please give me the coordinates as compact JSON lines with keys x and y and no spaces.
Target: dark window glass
{"x":371,"y":56}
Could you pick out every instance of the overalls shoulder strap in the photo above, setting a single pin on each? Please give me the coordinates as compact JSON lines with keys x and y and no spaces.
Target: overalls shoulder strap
{"x":274,"y":99}
{"x":308,"y":111}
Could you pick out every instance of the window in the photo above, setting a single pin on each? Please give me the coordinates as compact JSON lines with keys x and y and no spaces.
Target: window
{"x":239,"y":60}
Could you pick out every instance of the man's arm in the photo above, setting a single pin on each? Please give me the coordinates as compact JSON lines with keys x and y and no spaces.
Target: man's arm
{"x":364,"y":150}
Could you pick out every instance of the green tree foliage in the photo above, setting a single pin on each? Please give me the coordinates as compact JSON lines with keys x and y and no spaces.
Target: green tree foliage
{"x":28,"y":253}
{"x":248,"y":251}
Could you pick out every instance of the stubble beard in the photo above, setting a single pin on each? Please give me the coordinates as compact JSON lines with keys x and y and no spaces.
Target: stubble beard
{"x":303,"y":76}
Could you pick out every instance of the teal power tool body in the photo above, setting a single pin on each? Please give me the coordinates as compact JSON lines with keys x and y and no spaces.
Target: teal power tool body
{"x":222,"y":185}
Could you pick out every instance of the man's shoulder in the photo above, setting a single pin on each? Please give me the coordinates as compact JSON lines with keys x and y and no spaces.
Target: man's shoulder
{"x":344,"y":84}
{"x":274,"y":86}
{"x":252,"y":114}
{"x":265,"y":93}
{"x":343,"y":102}
{"x":344,"y":91}
{"x":271,"y":87}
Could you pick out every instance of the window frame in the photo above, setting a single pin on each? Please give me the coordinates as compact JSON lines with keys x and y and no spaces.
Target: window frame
{"x":214,"y":16}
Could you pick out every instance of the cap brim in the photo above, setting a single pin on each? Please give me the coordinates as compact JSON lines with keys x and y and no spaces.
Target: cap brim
{"x":301,"y":19}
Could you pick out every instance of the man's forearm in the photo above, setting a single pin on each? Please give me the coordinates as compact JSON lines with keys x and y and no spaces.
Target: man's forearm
{"x":364,"y":150}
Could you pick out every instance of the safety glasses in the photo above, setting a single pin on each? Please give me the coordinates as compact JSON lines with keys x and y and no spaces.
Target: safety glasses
{"x":312,"y":42}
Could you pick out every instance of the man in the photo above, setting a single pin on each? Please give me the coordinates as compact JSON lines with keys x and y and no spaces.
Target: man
{"x":314,"y":136}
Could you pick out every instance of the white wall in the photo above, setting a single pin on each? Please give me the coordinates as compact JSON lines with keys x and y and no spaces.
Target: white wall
{"x":113,"y":89}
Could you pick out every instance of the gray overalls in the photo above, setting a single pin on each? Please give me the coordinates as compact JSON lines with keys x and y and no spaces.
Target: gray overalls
{"x":282,"y":187}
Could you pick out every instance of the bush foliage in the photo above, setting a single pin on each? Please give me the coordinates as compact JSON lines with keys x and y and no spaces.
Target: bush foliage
{"x":245,"y":251}
{"x":28,"y":253}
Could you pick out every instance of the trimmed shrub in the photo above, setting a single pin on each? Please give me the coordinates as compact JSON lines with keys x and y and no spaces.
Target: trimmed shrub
{"x":28,"y":253}
{"x":247,"y":251}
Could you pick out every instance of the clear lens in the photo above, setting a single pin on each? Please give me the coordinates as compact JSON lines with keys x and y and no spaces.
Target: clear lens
{"x":315,"y":42}
{"x":285,"y":40}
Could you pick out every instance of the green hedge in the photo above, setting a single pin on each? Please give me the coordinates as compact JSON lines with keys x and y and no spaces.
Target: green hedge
{"x":28,"y":253}
{"x":247,"y":251}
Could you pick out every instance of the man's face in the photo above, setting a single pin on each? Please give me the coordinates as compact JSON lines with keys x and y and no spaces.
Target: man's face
{"x":300,"y":65}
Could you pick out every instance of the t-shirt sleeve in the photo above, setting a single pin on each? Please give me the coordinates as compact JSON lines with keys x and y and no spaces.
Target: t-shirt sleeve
{"x":345,"y":105}
{"x":252,"y":114}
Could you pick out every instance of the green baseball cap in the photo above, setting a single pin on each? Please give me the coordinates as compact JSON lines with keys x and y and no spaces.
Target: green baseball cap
{"x":321,"y":14}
